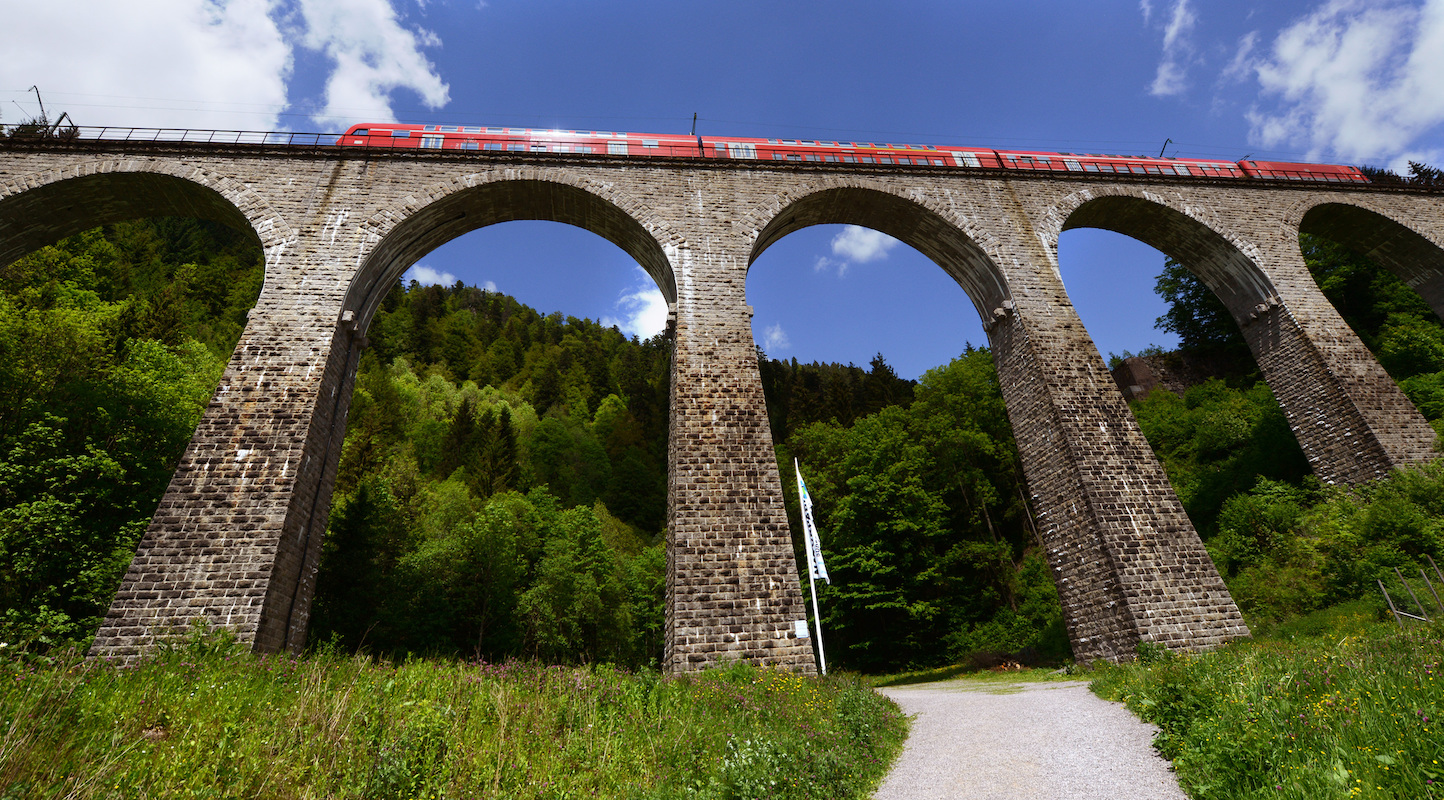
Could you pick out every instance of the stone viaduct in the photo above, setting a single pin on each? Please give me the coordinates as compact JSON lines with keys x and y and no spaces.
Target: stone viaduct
{"x":236,"y":538}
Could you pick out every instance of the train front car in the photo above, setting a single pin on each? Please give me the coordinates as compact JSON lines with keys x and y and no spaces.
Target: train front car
{"x":1289,"y":171}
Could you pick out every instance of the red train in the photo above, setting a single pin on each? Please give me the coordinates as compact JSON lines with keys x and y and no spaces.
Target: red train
{"x":504,"y":139}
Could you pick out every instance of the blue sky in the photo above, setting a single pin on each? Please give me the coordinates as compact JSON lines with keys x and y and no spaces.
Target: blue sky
{"x":1348,"y":81}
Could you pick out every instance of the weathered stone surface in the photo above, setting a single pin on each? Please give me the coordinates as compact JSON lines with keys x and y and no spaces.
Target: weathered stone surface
{"x":236,"y":538}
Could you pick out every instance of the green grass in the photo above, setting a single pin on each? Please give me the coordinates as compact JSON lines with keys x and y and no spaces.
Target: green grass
{"x":209,"y":721}
{"x":1333,"y":707}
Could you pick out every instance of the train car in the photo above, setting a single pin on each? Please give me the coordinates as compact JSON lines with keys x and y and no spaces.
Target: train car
{"x":1122,"y":165}
{"x":616,"y":143}
{"x":1283,"y":170}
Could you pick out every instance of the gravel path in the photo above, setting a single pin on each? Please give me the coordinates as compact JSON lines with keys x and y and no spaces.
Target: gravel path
{"x":1029,"y":741}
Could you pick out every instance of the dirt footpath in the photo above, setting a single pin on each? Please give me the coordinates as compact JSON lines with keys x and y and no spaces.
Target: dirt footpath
{"x":1028,"y":741}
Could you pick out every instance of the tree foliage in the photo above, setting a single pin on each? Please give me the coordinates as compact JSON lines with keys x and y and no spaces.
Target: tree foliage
{"x":502,"y":486}
{"x":111,"y":344}
{"x":926,"y":529}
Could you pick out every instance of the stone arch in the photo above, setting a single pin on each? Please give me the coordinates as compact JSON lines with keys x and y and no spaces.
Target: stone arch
{"x":1195,"y":236}
{"x":1126,"y":561}
{"x":44,"y":207}
{"x":1351,"y":421}
{"x":909,"y":218}
{"x":393,"y":239}
{"x":1391,"y":241}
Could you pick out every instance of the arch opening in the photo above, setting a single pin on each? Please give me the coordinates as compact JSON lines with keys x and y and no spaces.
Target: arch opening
{"x":1218,"y":428}
{"x":501,"y":456}
{"x":909,"y":222}
{"x":925,"y":520}
{"x":469,"y":209}
{"x":56,"y":210}
{"x":123,"y":332}
{"x":1387,"y":282}
{"x":1414,"y":259}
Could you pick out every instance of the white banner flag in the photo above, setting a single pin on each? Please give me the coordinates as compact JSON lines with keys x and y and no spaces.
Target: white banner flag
{"x":809,"y":530}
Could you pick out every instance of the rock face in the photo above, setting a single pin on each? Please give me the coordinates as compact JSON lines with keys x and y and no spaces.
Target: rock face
{"x":236,"y":538}
{"x":1177,"y":372}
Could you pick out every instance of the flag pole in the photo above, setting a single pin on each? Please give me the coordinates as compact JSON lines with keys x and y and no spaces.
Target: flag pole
{"x":809,"y":534}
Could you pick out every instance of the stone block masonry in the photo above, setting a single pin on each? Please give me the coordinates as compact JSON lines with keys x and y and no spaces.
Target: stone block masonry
{"x":236,"y":538}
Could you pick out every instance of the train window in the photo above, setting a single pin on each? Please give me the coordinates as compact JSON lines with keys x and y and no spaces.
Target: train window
{"x":813,"y":157}
{"x":1152,"y":170}
{"x":829,"y":157}
{"x":884,"y":160}
{"x":432,"y":141}
{"x":773,"y":141}
{"x":469,"y":145}
{"x":778,"y":157}
{"x":849,"y":159}
{"x":649,"y":142}
{"x":915,"y":147}
{"x":538,"y":147}
{"x":617,"y":148}
{"x":1137,"y":169}
{"x":448,"y":129}
{"x":793,"y":157}
{"x":867,"y":159}
{"x":1091,"y":168}
{"x":1072,"y":165}
{"x":1181,"y":169}
{"x":464,"y":129}
{"x":493,"y":145}
{"x":516,"y":147}
{"x":938,"y":162}
{"x":966,"y":159}
{"x":359,"y":132}
{"x":401,"y":134}
{"x":848,"y":145}
{"x":493,"y":130}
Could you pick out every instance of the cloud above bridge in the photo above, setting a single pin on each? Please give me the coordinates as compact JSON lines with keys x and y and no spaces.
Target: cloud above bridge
{"x":374,"y":55}
{"x":1352,"y":80}
{"x":1177,"y":48}
{"x":1361,"y":81}
{"x":219,"y":64}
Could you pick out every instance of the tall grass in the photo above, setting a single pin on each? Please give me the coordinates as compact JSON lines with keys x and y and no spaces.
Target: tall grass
{"x":1355,"y":715}
{"x":209,"y":721}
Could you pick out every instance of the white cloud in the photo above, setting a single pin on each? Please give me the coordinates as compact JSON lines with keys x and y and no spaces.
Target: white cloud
{"x":374,"y":55}
{"x":1242,"y":65}
{"x":219,"y":64}
{"x":774,"y":339}
{"x":490,"y":286}
{"x":426,"y":276}
{"x":1147,"y":8}
{"x":854,"y":245}
{"x":209,"y":64}
{"x":644,"y":309}
{"x":1357,"y":80}
{"x":862,"y":245}
{"x":1177,"y":50}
